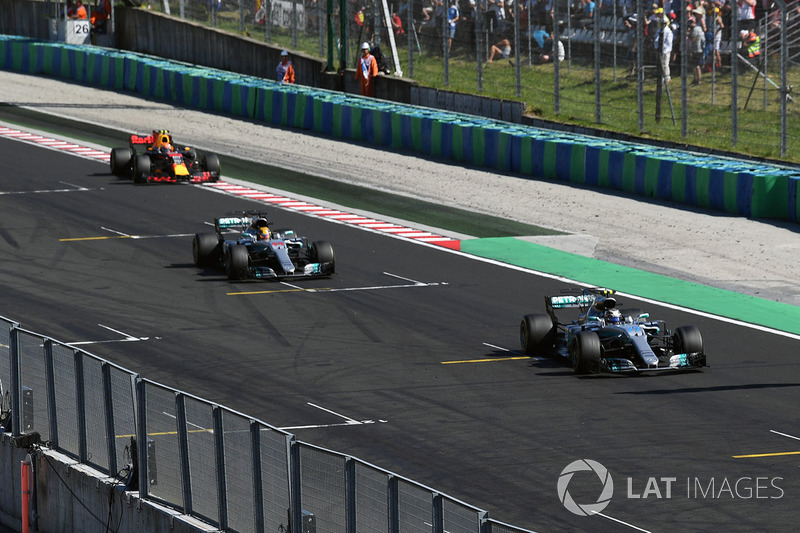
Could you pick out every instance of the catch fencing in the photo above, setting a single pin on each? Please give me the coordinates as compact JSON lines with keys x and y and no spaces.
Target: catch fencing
{"x":608,"y":77}
{"x":223,"y":467}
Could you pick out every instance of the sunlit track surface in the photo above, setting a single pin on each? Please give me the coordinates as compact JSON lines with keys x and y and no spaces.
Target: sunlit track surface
{"x":420,"y":340}
{"x":253,"y":194}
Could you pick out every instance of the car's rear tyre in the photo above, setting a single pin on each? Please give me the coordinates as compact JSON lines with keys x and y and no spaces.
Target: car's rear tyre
{"x":536,"y":333}
{"x":212,"y":165}
{"x":141,"y":168}
{"x":585,"y":352}
{"x":205,"y":249}
{"x":322,"y":252}
{"x":687,"y":339}
{"x":236,"y":262}
{"x":120,"y":161}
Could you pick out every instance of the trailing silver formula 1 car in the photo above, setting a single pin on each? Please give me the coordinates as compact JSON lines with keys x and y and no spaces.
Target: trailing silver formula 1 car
{"x":246,"y":248}
{"x":605,"y":339}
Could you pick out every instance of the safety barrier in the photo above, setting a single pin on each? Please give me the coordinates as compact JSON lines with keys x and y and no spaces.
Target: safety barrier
{"x":225,"y":468}
{"x":738,"y":187}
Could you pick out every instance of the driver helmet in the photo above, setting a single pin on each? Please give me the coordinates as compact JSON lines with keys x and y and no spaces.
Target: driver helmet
{"x":165,"y":145}
{"x":613,"y":316}
{"x":263,"y":234}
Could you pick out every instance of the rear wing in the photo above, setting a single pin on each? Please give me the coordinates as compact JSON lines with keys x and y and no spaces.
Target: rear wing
{"x":227,"y":223}
{"x":239,"y":220}
{"x":139,"y":139}
{"x":577,"y":299}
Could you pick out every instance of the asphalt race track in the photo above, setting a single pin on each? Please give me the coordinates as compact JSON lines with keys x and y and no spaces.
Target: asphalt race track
{"x":406,"y":358}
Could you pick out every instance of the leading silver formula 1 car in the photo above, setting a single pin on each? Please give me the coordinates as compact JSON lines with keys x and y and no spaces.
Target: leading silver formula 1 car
{"x":247,"y":248}
{"x":604,"y":338}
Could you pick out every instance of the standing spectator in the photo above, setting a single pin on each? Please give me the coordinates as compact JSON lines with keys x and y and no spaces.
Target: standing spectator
{"x":100,"y":16}
{"x":79,"y":12}
{"x":697,"y":43}
{"x":366,"y":70}
{"x":631,"y":42}
{"x":285,"y":69}
{"x":714,"y":26}
{"x":746,"y":12}
{"x":502,"y":49}
{"x":452,"y":19}
{"x":664,"y":52}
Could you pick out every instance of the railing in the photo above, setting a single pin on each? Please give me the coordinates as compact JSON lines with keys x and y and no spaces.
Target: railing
{"x":226,"y":468}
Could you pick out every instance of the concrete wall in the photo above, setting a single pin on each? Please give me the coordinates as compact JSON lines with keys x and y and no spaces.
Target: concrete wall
{"x":71,"y":497}
{"x":153,"y":33}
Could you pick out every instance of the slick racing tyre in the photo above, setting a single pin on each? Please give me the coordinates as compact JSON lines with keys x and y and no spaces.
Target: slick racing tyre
{"x":536,"y":334}
{"x":236,"y":262}
{"x":322,"y":252}
{"x":212,"y":164}
{"x":687,"y":339}
{"x":585,"y":352}
{"x":120,"y":161}
{"x":141,"y":168}
{"x":205,"y":249}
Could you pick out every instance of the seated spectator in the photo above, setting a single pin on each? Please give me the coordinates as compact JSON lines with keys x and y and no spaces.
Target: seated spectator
{"x":543,"y":53}
{"x":584,"y":17}
{"x":397,"y":25}
{"x":501,"y":49}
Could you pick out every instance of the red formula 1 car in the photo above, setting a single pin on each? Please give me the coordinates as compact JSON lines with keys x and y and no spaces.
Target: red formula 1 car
{"x":155,"y":158}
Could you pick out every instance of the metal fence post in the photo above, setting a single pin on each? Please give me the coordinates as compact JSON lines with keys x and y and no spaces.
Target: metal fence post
{"x":108,"y":408}
{"x":183,"y":446}
{"x":640,"y":62}
{"x":80,"y":400}
{"x":596,"y":34}
{"x":445,"y":49}
{"x":222,"y":489}
{"x":484,"y":526}
{"x":784,"y":93}
{"x":16,"y":380}
{"x":684,"y":35}
{"x":517,"y":78}
{"x":258,"y":491}
{"x":295,"y":501}
{"x":141,"y":437}
{"x":734,"y":77}
{"x":392,"y":503}
{"x":557,"y":60}
{"x":437,"y":513}
{"x":350,"y":494}
{"x":51,"y":392}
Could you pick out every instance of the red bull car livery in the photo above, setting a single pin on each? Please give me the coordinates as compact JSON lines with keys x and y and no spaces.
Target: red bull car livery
{"x":156,"y":158}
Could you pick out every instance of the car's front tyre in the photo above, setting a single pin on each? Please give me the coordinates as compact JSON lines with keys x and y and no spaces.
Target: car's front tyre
{"x":585,"y":352}
{"x":236,"y":262}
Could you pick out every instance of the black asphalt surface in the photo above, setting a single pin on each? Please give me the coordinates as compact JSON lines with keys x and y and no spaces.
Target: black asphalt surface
{"x":489,"y":427}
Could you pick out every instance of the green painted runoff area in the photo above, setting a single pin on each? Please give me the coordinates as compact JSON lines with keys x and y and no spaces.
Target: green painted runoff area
{"x":775,"y":315}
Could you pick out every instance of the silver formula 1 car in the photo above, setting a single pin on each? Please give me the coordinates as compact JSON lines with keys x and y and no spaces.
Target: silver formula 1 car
{"x":604,"y":338}
{"x":246,"y":248}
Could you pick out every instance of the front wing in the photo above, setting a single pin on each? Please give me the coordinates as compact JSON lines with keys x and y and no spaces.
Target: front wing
{"x":311,"y":270}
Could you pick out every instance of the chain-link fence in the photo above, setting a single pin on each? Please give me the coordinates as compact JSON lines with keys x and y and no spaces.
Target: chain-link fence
{"x":602,"y":65}
{"x":226,"y":468}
